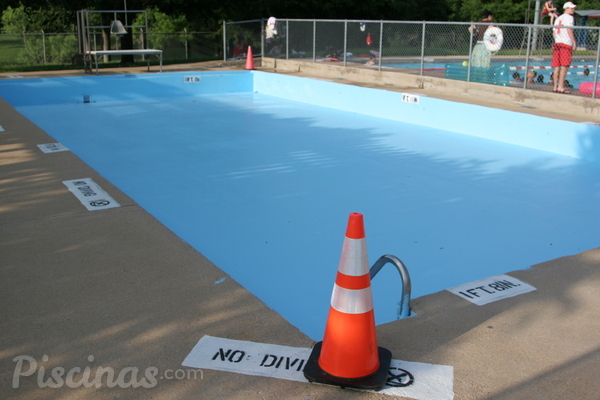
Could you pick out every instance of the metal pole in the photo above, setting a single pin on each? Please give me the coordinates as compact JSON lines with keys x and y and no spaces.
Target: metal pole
{"x":146,"y":38}
{"x":470,"y":53}
{"x":527,"y":55}
{"x":536,"y":21}
{"x":423,"y":48}
{"x":345,"y":39}
{"x":224,"y":41}
{"x":597,"y":70}
{"x":380,"y":44}
{"x":287,"y":39}
{"x":314,"y":40}
{"x":262,"y":39}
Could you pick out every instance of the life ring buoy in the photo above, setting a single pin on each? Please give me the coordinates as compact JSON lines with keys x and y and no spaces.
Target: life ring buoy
{"x":588,"y":87}
{"x":493,"y":38}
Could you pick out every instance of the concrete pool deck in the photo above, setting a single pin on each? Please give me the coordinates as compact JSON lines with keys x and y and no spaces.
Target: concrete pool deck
{"x":78,"y":283}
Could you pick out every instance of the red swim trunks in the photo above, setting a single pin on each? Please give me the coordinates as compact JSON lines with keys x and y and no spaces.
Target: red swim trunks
{"x":562,"y":55}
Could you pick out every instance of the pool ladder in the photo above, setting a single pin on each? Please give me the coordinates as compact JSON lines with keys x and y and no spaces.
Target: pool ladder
{"x":403,"y":310}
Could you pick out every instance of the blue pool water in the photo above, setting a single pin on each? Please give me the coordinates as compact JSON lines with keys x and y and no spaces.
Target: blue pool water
{"x":437,"y":65}
{"x":259,"y":173}
{"x":575,"y":75}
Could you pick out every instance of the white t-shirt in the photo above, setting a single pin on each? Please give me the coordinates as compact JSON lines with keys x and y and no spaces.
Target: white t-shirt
{"x":562,"y":35}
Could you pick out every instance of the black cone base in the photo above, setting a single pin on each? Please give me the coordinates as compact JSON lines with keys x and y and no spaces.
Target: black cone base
{"x":376,"y":381}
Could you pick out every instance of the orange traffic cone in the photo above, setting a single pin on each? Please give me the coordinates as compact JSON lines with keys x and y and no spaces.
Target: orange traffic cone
{"x":348,"y":356}
{"x":249,"y":59}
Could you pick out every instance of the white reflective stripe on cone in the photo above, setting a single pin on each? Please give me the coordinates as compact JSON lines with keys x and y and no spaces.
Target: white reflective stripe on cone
{"x":351,"y":301}
{"x":353,"y":261}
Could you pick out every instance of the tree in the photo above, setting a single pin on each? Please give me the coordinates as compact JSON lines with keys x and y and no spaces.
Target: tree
{"x":507,"y":11}
{"x":39,"y":47}
{"x":161,"y":28}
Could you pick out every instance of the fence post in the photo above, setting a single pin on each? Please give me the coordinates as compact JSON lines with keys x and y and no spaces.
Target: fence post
{"x":314,"y":40}
{"x":527,"y":55}
{"x":224,"y":41}
{"x":345,"y":40}
{"x":471,"y":29}
{"x":146,"y":37}
{"x":287,"y":39}
{"x":423,"y":31}
{"x":597,"y":67}
{"x":262,"y":39}
{"x":380,"y":43}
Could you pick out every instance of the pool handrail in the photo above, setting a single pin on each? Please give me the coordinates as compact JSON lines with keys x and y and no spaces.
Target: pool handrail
{"x":403,"y":310}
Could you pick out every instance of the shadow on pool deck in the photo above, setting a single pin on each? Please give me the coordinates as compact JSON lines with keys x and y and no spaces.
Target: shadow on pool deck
{"x":119,"y":286}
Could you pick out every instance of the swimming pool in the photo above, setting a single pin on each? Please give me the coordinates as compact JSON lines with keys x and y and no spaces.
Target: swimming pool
{"x":581,"y":71}
{"x":259,"y":173}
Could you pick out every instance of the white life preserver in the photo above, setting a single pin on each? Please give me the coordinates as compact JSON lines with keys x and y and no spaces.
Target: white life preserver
{"x":271,"y":27}
{"x":493,"y":38}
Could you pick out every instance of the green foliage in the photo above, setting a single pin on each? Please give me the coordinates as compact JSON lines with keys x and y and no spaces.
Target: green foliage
{"x":11,"y":46}
{"x":23,"y":21}
{"x":60,"y":49}
{"x":205,"y":15}
{"x":28,"y":19}
{"x":159,"y":24}
{"x":15,"y":20}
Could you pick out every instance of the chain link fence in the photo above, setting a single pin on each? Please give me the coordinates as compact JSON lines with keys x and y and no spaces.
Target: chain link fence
{"x":516,"y":55}
{"x":237,"y":36}
{"x":39,"y":48}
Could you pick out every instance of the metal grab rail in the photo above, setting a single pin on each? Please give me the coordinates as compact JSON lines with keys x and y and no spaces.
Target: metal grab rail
{"x":404,"y":303}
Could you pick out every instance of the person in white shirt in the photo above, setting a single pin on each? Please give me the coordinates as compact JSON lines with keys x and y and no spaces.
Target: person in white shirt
{"x":564,"y":43}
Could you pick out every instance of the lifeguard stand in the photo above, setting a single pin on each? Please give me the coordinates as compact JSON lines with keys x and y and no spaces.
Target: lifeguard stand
{"x":87,"y":33}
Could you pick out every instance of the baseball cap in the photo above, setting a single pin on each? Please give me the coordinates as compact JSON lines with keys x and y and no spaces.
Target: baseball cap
{"x":569,"y":4}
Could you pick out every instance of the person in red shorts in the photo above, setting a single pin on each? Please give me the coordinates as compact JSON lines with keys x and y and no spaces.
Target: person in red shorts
{"x":564,"y":43}
{"x":550,"y":10}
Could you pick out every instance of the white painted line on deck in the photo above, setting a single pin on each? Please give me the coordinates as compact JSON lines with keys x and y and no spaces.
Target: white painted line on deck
{"x":92,"y":196}
{"x":491,"y":289}
{"x":405,"y":379}
{"x":52,"y":147}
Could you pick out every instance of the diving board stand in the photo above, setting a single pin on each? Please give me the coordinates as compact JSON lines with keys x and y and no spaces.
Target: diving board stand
{"x":87,"y":35}
{"x":150,"y":52}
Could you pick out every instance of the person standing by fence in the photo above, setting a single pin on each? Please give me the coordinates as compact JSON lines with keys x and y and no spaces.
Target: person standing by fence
{"x":481,"y":56}
{"x":564,"y":43}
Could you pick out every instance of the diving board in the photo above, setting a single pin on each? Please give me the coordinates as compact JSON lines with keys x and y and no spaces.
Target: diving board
{"x":100,"y":53}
